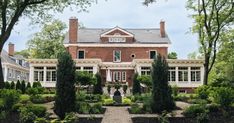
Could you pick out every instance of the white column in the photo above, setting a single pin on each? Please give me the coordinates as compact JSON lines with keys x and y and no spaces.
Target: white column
{"x":31,"y":74}
{"x":5,"y":73}
{"x":44,"y":77}
{"x":189,"y":75}
{"x":95,"y":70}
{"x":139,"y":70}
{"x":177,"y":76}
{"x":202,"y":74}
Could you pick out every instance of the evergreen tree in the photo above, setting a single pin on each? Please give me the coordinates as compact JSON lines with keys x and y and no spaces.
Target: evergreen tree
{"x":7,"y":85}
{"x":161,"y":92}
{"x":65,"y":86}
{"x":12,"y":85}
{"x":36,"y":85}
{"x":28,"y":85}
{"x":18,"y":85}
{"x":23,"y":87}
{"x":136,"y":89}
{"x":98,"y":86}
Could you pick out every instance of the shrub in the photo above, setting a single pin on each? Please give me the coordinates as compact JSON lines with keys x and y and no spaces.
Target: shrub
{"x":32,"y":91}
{"x":117,"y":86}
{"x":125,"y":87}
{"x":18,"y":85}
{"x":194,"y":110}
{"x":26,"y":117}
{"x":41,"y":120}
{"x":80,"y":97}
{"x":146,"y":80}
{"x":36,"y":85}
{"x":223,"y":96}
{"x":12,"y":85}
{"x":10,"y":97}
{"x":198,"y":101}
{"x":83,"y":107}
{"x":174,"y":90}
{"x":7,"y":85}
{"x":71,"y":118}
{"x":203,"y":91}
{"x":108,"y":101}
{"x":147,"y":105}
{"x":37,"y":99}
{"x":126,"y":101}
{"x":39,"y":111}
{"x":136,"y":88}
{"x":98,"y":86}
{"x":181,"y":97}
{"x":23,"y":87}
{"x":17,"y":106}
{"x":96,"y":108}
{"x":135,"y":109}
{"x":28,"y":85}
{"x":213,"y":108}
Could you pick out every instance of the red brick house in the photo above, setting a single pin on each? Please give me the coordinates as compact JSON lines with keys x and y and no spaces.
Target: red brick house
{"x":117,"y":53}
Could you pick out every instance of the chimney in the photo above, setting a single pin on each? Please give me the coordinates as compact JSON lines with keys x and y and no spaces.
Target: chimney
{"x":11,"y":49}
{"x":162,"y":29}
{"x":73,"y":30}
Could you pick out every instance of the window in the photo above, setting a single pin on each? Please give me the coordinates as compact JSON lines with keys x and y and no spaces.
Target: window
{"x":117,"y":56}
{"x":117,"y":76}
{"x":78,"y":68}
{"x":123,"y":76}
{"x":88,"y":69}
{"x":183,"y":74}
{"x":50,"y":74}
{"x":153,"y":54}
{"x":38,"y":74}
{"x":172,"y":74}
{"x":195,"y":74}
{"x":81,"y":54}
{"x":117,"y":39}
{"x":145,"y":70}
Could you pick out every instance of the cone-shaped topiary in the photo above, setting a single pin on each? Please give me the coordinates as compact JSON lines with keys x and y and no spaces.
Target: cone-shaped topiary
{"x":23,"y":86}
{"x":98,"y":86}
{"x":18,"y":85}
{"x":12,"y":85}
{"x":65,"y":86}
{"x":7,"y":85}
{"x":136,"y":89}
{"x":28,"y":85}
{"x":161,"y":92}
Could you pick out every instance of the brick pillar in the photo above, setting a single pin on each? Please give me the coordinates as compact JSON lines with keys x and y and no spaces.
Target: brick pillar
{"x":73,"y":30}
{"x":11,"y":49}
{"x":162,"y":29}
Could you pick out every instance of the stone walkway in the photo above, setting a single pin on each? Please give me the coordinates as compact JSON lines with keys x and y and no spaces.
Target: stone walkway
{"x":116,"y":115}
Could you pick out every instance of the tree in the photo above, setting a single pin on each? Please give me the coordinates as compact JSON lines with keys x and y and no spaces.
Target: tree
{"x":172,"y":55}
{"x":38,"y":10}
{"x":7,"y":85}
{"x":211,"y":18}
{"x":161,"y":92}
{"x":136,"y":88}
{"x":24,"y":53}
{"x":18,"y":85}
{"x":65,"y":86}
{"x":48,"y":42}
{"x":85,"y":78}
{"x":28,"y":85}
{"x":98,"y":86}
{"x":23,"y":86}
{"x":144,"y":79}
{"x":195,"y":55}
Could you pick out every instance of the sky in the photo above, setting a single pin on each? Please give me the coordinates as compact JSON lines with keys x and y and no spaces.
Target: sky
{"x":125,"y":14}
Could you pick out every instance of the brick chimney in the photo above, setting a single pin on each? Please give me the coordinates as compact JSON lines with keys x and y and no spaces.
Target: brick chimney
{"x":11,"y":49}
{"x":162,"y":29}
{"x":73,"y":28}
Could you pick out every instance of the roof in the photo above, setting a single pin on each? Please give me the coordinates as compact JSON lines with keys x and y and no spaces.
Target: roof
{"x":145,"y":36}
{"x":10,"y":59}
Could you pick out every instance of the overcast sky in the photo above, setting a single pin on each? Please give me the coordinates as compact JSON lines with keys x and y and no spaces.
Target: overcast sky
{"x":126,"y":14}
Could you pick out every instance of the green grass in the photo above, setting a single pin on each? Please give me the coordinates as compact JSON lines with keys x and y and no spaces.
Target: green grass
{"x":24,"y":97}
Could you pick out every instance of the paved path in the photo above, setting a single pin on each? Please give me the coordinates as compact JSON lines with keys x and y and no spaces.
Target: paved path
{"x":116,"y":115}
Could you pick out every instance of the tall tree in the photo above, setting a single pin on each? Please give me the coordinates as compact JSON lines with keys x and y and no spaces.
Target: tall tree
{"x":211,"y":18}
{"x":12,"y":10}
{"x":97,"y":89}
{"x":161,"y":92}
{"x":172,"y":55}
{"x":136,"y":88}
{"x":65,"y":85}
{"x":24,"y":53}
{"x":48,"y":42}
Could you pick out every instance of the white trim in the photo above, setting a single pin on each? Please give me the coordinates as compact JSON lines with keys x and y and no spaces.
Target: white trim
{"x":117,"y":45}
{"x":116,"y":28}
{"x":114,"y":56}
{"x":156,"y":53}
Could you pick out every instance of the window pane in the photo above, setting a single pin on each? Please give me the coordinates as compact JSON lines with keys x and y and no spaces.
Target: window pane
{"x":81,"y":55}
{"x":152,"y":54}
{"x":117,"y":56}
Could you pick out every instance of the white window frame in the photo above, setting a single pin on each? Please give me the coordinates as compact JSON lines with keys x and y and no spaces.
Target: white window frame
{"x":172,"y":70}
{"x":124,"y":76}
{"x":196,"y":75}
{"x":156,"y":54}
{"x":114,"y":56}
{"x":183,"y":71}
{"x":40,"y":77}
{"x":49,"y":73}
{"x":145,"y":71}
{"x":116,"y":76}
{"x":79,"y":54}
{"x":89,"y":69}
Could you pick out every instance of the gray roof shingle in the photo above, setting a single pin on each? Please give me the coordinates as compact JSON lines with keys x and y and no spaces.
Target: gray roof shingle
{"x":145,"y":36}
{"x":10,"y":59}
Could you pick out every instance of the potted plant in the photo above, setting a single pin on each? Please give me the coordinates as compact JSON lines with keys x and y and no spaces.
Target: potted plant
{"x":117,"y":95}
{"x":125,"y":87}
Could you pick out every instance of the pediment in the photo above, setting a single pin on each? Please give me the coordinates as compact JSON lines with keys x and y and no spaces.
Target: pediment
{"x":118,"y":32}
